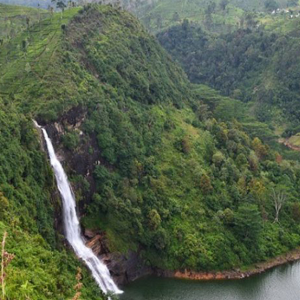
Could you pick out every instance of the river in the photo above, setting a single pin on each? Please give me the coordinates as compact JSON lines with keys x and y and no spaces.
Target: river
{"x":280,"y":283}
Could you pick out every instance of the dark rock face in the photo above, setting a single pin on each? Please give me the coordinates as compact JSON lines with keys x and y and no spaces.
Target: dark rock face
{"x":96,"y":241}
{"x":125,"y":269}
{"x":76,"y":161}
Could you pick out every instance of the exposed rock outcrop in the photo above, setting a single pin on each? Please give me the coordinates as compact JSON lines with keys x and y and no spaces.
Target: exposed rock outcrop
{"x":123,"y":268}
{"x":127,"y":268}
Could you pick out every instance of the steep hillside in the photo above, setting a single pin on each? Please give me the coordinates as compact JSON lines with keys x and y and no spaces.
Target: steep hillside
{"x":160,"y":168}
{"x":41,"y":268}
{"x":159,"y":162}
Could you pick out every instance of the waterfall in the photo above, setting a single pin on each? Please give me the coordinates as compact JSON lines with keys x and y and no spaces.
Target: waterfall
{"x":72,"y":227}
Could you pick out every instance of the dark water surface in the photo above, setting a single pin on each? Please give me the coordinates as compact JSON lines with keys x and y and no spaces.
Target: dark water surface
{"x":281,"y":283}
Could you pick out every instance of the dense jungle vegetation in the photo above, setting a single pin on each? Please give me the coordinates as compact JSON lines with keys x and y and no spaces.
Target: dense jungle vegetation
{"x":218,"y":16}
{"x":164,"y":167}
{"x":252,"y":64}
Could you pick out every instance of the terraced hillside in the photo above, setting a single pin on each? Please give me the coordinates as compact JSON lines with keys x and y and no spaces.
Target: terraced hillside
{"x":14,"y":19}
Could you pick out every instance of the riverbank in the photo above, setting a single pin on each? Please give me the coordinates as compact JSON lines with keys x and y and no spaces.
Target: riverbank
{"x":280,"y":284}
{"x":129,"y":268}
{"x":258,"y":268}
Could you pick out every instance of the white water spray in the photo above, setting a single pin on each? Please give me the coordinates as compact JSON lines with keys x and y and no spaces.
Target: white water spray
{"x":72,"y":228}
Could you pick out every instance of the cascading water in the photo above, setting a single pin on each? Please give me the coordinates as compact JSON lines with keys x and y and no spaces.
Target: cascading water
{"x":72,"y":228}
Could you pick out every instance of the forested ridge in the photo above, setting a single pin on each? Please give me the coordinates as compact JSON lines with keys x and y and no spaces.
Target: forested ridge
{"x":160,"y":166}
{"x":256,"y":65}
{"x":217,"y":16}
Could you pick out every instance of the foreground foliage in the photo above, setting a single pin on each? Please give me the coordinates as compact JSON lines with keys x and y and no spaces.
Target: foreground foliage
{"x":41,"y":268}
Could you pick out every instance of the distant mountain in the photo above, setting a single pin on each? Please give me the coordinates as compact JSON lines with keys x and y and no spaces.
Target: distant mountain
{"x":214,"y":15}
{"x":32,"y":3}
{"x":46,"y":3}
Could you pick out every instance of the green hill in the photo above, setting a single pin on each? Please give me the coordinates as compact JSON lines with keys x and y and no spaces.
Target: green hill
{"x":256,"y":65}
{"x":217,"y":16}
{"x":163,"y":167}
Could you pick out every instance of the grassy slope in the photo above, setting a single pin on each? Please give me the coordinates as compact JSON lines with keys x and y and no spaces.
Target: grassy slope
{"x":278,"y":77}
{"x":12,"y":11}
{"x":193,"y":11}
{"x":28,"y":69}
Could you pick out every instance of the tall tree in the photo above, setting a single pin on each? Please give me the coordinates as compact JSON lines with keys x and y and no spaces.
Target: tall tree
{"x":60,"y":4}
